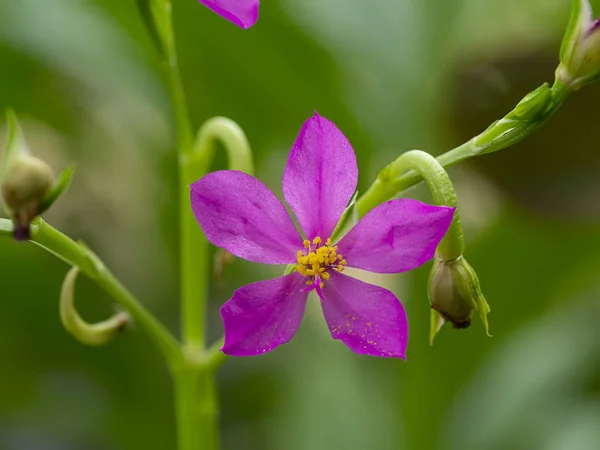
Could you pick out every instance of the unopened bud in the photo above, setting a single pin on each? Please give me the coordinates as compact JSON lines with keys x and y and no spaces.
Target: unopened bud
{"x":26,"y":183}
{"x":580,"y":50}
{"x":454,"y":293}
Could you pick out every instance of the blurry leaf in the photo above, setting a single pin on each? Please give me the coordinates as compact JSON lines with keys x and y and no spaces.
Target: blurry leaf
{"x":537,"y":373}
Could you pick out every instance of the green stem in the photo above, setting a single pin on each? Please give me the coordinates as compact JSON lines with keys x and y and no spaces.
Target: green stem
{"x":77,"y":254}
{"x":214,"y":356}
{"x":196,"y":407}
{"x":503,"y":133}
{"x":442,"y":192}
{"x":195,"y":264}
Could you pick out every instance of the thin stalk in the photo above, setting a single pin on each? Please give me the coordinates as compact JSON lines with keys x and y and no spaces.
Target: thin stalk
{"x":77,"y":254}
{"x":385,"y":188}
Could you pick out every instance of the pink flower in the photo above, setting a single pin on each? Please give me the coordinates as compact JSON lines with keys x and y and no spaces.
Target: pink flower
{"x":243,"y":13}
{"x":240,"y":214}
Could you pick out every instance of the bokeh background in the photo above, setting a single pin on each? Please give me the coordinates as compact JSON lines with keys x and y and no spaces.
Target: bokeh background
{"x":394,"y":75}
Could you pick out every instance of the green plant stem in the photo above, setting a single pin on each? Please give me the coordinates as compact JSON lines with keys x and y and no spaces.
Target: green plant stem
{"x":385,"y":188}
{"x":452,"y":246}
{"x":77,"y":254}
{"x":195,"y":390}
{"x":196,"y":407}
{"x":193,"y":258}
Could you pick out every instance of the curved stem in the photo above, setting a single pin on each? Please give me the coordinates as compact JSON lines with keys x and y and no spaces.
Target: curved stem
{"x":96,"y":334}
{"x":490,"y":140}
{"x":77,"y":254}
{"x":442,"y":192}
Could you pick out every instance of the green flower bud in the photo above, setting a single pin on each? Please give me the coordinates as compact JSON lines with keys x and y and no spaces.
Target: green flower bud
{"x":580,"y":50}
{"x":27,"y":184}
{"x":454,"y":293}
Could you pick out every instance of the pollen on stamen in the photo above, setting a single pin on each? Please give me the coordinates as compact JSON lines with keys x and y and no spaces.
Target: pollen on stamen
{"x":318,"y":260}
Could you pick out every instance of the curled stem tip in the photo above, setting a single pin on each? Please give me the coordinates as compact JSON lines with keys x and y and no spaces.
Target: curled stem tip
{"x":96,"y":334}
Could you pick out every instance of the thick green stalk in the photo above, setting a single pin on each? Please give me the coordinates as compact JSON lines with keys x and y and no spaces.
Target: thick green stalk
{"x":195,"y":391}
{"x":196,"y":407}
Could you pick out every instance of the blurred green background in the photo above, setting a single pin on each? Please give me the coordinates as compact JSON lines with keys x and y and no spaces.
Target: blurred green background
{"x":393,"y":75}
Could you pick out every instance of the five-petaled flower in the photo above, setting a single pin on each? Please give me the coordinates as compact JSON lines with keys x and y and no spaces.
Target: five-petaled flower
{"x":240,"y":214}
{"x":243,"y":13}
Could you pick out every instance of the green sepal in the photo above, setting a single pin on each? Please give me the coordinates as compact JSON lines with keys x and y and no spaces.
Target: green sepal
{"x":290,"y":268}
{"x":526,"y":116}
{"x":15,"y":144}
{"x":61,"y":184}
{"x":347,"y":221}
{"x":533,"y":105}
{"x":435,"y":324}
{"x":570,"y":40}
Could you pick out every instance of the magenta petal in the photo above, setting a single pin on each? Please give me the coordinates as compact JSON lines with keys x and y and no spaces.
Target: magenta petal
{"x":243,"y":13}
{"x":320,"y":176}
{"x":261,"y":316}
{"x":369,"y":319}
{"x":240,"y":214}
{"x":396,"y":236}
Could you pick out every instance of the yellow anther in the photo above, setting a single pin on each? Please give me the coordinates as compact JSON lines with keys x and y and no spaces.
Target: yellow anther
{"x":317,"y":262}
{"x":322,"y":285}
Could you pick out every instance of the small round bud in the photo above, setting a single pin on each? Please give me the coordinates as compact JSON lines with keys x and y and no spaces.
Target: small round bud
{"x":454,"y":293}
{"x":26,"y":182}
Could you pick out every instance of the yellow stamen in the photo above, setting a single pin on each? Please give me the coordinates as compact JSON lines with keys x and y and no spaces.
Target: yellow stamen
{"x":318,"y":261}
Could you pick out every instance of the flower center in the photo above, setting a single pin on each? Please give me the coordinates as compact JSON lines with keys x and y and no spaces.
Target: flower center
{"x":317,"y":258}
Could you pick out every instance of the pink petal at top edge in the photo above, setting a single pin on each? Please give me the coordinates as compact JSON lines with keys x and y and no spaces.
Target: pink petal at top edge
{"x":320,"y":176}
{"x":243,"y":13}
